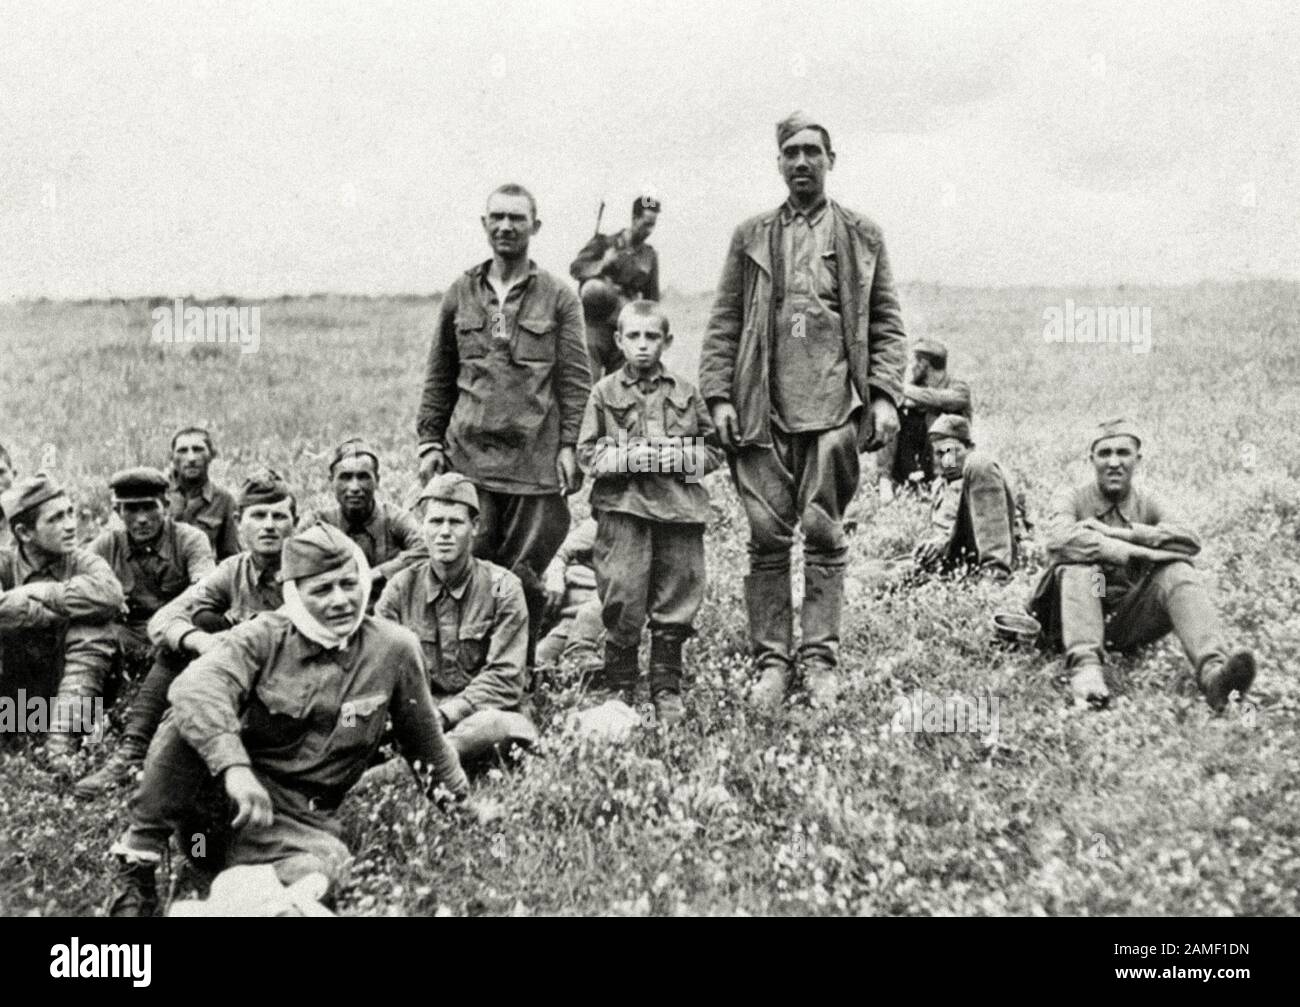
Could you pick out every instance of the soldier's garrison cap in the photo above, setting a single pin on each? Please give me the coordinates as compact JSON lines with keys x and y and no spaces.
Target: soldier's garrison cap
{"x":1118,"y":427}
{"x":932,"y":350}
{"x":451,"y":487}
{"x":263,"y":487}
{"x":27,"y":494}
{"x":352,"y":448}
{"x":316,"y":549}
{"x":951,"y":425}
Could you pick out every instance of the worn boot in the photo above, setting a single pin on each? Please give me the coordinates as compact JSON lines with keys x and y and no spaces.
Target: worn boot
{"x":61,"y":749}
{"x":1088,"y":685}
{"x":1218,"y":678}
{"x":120,"y":768}
{"x":135,"y":887}
{"x":771,"y":634}
{"x":621,"y":671}
{"x":666,"y":678}
{"x":819,"y":650}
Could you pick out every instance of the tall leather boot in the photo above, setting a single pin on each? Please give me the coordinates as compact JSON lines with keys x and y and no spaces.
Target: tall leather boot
{"x":819,"y":650}
{"x":135,"y":888}
{"x":666,"y":677}
{"x":771,"y":633}
{"x":621,"y":670}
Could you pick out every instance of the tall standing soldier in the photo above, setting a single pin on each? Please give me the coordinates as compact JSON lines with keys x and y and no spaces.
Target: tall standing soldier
{"x":802,"y":368}
{"x":613,"y":270}
{"x":504,"y":392}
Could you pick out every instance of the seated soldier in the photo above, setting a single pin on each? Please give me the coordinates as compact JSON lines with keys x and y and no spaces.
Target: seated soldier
{"x":153,"y":557}
{"x":388,"y":535}
{"x":931,"y":393}
{"x":612,"y":271}
{"x":7,"y":474}
{"x":57,"y":607}
{"x":286,"y":714}
{"x":193,"y":498}
{"x":1121,"y":576}
{"x":472,"y":623}
{"x":240,"y":588}
{"x":973,"y":512}
{"x":575,"y":631}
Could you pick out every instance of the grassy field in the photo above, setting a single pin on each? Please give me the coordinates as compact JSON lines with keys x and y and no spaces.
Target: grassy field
{"x":1154,"y":807}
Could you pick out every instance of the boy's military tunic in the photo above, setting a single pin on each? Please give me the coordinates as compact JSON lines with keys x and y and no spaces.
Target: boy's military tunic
{"x":649,"y":550}
{"x":306,"y":720}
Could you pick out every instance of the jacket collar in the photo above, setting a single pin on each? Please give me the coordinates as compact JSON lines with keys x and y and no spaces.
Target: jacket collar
{"x":813,"y":214}
{"x":205,"y":491}
{"x":626,"y":376}
{"x":25,"y":569}
{"x":1097,"y":504}
{"x":456,"y":588}
{"x":163,"y":545}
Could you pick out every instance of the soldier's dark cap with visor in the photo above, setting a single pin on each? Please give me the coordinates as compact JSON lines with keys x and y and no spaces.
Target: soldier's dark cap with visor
{"x":27,"y":494}
{"x":138,"y":485}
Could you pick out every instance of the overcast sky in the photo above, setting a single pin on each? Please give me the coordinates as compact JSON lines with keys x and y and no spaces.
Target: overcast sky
{"x":259,"y":148}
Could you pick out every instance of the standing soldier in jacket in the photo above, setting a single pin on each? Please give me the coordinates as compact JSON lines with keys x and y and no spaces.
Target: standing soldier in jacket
{"x":504,"y":390}
{"x":802,"y":367}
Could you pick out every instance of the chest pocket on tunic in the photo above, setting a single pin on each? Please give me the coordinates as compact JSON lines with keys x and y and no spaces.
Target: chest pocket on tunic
{"x":471,"y":336}
{"x":172,"y":582}
{"x":359,"y":710}
{"x":679,"y":414}
{"x":456,"y":665}
{"x":276,"y":715}
{"x":535,"y":341}
{"x":625,"y":416}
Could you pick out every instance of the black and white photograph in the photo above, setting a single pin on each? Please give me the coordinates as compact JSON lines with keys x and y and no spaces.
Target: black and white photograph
{"x":665,"y":459}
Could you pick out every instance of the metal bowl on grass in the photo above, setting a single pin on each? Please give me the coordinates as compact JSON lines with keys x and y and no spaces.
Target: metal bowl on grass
{"x":1016,"y":628}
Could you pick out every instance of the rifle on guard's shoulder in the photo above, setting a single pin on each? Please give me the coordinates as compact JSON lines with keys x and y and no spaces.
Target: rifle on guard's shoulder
{"x":600,"y":212}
